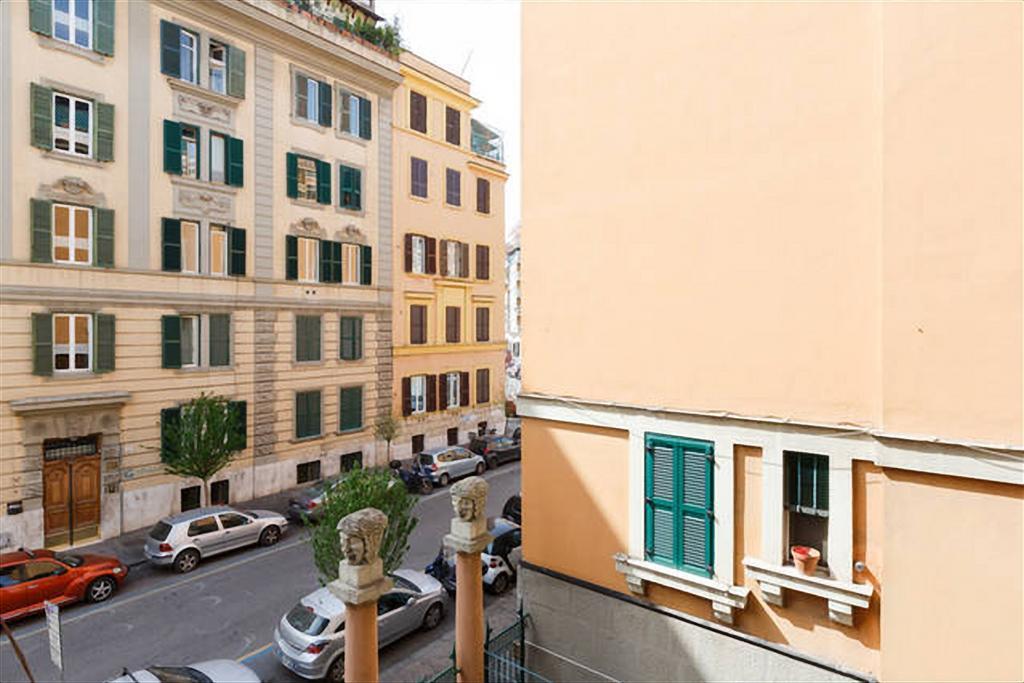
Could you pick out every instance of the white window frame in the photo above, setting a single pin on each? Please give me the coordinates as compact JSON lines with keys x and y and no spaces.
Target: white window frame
{"x":350,"y":263}
{"x":418,"y":393}
{"x":193,"y":49}
{"x":453,"y":390}
{"x":349,"y":109}
{"x":302,"y":182}
{"x":312,"y":246}
{"x":71,"y":20}
{"x":71,"y":134}
{"x":70,"y":239}
{"x":454,"y":258}
{"x":312,"y":113}
{"x":218,"y":66}
{"x":197,"y":341}
{"x":70,"y":347}
{"x":198,"y":250}
{"x":419,"y":254}
{"x":186,"y":162}
{"x":219,"y":232}
{"x":211,"y":165}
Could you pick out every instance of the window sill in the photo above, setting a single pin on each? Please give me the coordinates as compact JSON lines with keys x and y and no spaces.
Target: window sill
{"x":71,"y":48}
{"x":417,"y":198}
{"x":308,"y":203}
{"x":724,"y":598}
{"x":342,"y":135}
{"x":205,"y":368}
{"x":345,"y":211}
{"x":306,"y":123}
{"x":304,"y":439}
{"x":347,"y":432}
{"x":74,"y":159}
{"x":842,"y":596}
{"x":199,"y":184}
{"x":185,"y":86}
{"x":307,"y":363}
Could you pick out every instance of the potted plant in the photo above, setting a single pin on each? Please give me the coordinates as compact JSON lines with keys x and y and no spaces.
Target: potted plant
{"x":805,"y":558}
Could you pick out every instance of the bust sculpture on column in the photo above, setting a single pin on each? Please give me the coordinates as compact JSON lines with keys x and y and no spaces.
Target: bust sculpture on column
{"x":469,"y":526}
{"x":361,"y":571}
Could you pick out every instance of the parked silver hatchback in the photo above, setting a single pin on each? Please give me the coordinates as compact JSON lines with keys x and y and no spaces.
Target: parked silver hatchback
{"x":182,"y":540}
{"x":450,"y":462}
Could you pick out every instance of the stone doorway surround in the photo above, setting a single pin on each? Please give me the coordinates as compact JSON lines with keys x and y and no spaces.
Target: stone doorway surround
{"x":62,"y":417}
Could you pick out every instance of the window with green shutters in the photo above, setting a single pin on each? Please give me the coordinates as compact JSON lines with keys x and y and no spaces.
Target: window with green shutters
{"x":351,"y":188}
{"x":307,"y":178}
{"x":307,"y":414}
{"x":365,"y":265}
{"x":307,"y":338}
{"x":57,"y":239}
{"x":87,"y":24}
{"x":71,"y":125}
{"x":180,"y":57}
{"x":65,"y":342}
{"x":351,"y":338}
{"x":220,"y":340}
{"x":679,"y":505}
{"x":330,"y":261}
{"x":170,"y":332}
{"x":351,"y":409}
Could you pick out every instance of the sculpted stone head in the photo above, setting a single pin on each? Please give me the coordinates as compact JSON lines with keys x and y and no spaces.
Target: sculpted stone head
{"x":469,"y":498}
{"x":361,"y":533}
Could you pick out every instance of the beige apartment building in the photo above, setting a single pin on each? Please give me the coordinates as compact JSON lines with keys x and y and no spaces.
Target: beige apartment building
{"x":449,"y":336}
{"x":196,"y":197}
{"x":774,"y":297}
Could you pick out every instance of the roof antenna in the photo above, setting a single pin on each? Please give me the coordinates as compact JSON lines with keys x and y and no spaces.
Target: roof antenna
{"x":468,"y":57}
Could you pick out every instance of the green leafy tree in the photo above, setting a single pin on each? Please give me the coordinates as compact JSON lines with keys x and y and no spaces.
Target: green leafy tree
{"x":386,"y":430}
{"x":202,"y":439}
{"x":364,"y":488}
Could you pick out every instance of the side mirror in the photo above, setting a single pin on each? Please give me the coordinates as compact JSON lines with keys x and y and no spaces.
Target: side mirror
{"x":410,"y":601}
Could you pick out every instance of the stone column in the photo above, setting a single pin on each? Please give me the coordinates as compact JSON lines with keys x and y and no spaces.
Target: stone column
{"x":468,"y":538}
{"x":360,"y":582}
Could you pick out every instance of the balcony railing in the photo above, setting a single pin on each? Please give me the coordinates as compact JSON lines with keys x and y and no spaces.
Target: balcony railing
{"x":487,"y":141}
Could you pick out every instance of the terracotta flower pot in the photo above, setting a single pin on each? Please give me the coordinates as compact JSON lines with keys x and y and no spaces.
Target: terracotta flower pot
{"x":805,"y":558}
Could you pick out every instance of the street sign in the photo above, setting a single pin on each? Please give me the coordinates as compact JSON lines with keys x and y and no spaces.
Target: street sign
{"x":53,"y":628}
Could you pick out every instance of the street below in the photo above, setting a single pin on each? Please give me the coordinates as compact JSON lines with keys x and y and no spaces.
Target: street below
{"x":229,"y":606}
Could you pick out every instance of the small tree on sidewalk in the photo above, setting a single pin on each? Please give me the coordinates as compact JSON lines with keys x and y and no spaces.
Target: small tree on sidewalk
{"x":386,"y":430}
{"x":200,"y":438}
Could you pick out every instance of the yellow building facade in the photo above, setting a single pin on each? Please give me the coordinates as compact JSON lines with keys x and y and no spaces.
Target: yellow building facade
{"x":773,"y":296}
{"x":448,"y":263}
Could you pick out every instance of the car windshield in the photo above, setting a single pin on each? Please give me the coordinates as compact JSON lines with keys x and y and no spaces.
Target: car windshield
{"x":426,"y":459}
{"x":304,"y":620}
{"x":313,"y":491}
{"x":406,"y":584}
{"x":178,"y":674}
{"x":69,"y":560}
{"x":160,"y":531}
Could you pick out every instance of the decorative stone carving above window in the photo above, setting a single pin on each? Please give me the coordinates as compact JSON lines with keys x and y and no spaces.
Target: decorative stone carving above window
{"x":74,"y":190}
{"x":842,"y":596}
{"x":203,"y":201}
{"x":351,"y":234}
{"x":189,"y":104}
{"x":308,"y":227}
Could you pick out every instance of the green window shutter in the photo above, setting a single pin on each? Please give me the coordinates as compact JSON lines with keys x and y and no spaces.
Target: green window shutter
{"x":42,"y":344}
{"x":292,"y":174}
{"x":170,"y":49}
{"x":326,"y":268}
{"x":323,"y":182}
{"x":105,"y":343}
{"x":358,"y":334}
{"x":357,"y":189}
{"x":660,"y":503}
{"x":335,"y":250}
{"x":236,"y":162}
{"x":307,"y":338}
{"x":104,"y":236}
{"x":366,"y":265}
{"x":239,"y":413}
{"x":40,"y":19}
{"x":696,"y":510}
{"x":236,"y":72}
{"x":365,"y":119}
{"x":105,"y":131}
{"x":42,"y":115}
{"x":42,"y":230}
{"x":169,"y":418}
{"x":351,"y":338}
{"x":172,"y":147}
{"x":351,"y":188}
{"x":103,"y":26}
{"x":325,"y":104}
{"x":291,"y":257}
{"x":220,"y":339}
{"x":351,"y":402}
{"x":307,"y":414}
{"x":301,"y":409}
{"x":313,"y":338}
{"x":171,"y":243}
{"x":171,"y":334}
{"x":236,"y":256}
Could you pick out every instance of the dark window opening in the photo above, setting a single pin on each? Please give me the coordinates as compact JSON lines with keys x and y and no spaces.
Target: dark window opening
{"x":219,"y":492}
{"x":417,"y":443}
{"x":307,"y":471}
{"x":351,"y":461}
{"x":453,"y":436}
{"x":190,"y":498}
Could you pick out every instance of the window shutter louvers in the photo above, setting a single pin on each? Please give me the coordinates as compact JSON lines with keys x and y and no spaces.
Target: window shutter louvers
{"x":40,"y":17}
{"x":171,"y":245}
{"x":42,"y":115}
{"x":406,"y":396}
{"x":483,"y":385}
{"x":365,"y":265}
{"x":351,"y":408}
{"x":323,"y":182}
{"x":104,"y":237}
{"x":236,"y":259}
{"x":170,"y":49}
{"x":168,"y":418}
{"x":431,"y":255}
{"x":292,"y":174}
{"x":235,"y":152}
{"x":42,"y":344}
{"x":431,"y":385}
{"x":104,"y":131}
{"x":696,"y":510}
{"x":171,"y":329}
{"x":483,"y":195}
{"x":105,"y":343}
{"x":220,"y":340}
{"x":408,"y":253}
{"x":442,"y":390}
{"x":172,"y":147}
{"x":236,"y":72}
{"x":326,"y":269}
{"x":365,"y":119}
{"x":239,"y":411}
{"x":464,"y":266}
{"x":417,"y":112}
{"x":660,"y":515}
{"x":103,"y":26}
{"x":42,"y":230}
{"x":483,"y":262}
{"x":444,"y":258}
{"x":291,"y":257}
{"x":463,"y":388}
{"x":325,"y":104}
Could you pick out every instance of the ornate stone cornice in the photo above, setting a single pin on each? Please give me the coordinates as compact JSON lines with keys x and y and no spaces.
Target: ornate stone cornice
{"x":72,"y":189}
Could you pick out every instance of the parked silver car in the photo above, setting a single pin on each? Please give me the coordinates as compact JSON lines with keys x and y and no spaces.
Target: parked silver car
{"x":450,"y":462}
{"x":182,"y":540}
{"x":213,"y":671}
{"x":310,"y":639}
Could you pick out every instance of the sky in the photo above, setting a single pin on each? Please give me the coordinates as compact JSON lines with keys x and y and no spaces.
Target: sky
{"x":479,"y":40}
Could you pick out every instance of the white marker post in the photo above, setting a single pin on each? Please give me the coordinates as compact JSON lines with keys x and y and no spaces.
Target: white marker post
{"x":53,"y":628}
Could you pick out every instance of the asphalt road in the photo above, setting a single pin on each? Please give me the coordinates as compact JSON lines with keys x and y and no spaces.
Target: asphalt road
{"x":226,"y":609}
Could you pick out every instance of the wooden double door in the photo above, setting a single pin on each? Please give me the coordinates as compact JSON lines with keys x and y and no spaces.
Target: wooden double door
{"x":71,"y":499}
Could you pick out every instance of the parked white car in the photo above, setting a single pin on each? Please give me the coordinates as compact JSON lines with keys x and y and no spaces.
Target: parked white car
{"x":213,"y":671}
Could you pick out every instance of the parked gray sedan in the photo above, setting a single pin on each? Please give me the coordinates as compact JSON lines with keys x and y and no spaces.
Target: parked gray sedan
{"x":450,"y":462}
{"x":183,"y":539}
{"x":310,"y":639}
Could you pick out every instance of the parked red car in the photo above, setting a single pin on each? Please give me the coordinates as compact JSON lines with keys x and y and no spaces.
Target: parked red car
{"x":28,"y":577}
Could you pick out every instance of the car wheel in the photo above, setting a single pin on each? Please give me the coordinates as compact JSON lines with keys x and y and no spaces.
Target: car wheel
{"x":500,"y":584}
{"x":186,"y":561}
{"x":270,"y":536}
{"x":426,"y":486}
{"x":433,"y":616}
{"x":100,"y":589}
{"x":444,"y":479}
{"x":492,"y":463}
{"x":480,"y":467}
{"x":336,"y":671}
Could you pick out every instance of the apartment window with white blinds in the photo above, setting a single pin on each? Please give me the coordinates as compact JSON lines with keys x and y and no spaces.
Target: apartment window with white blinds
{"x":72,"y":342}
{"x":309,"y":259}
{"x":189,"y":247}
{"x":350,"y":264}
{"x":218,"y":250}
{"x":419,"y":254}
{"x":72,"y":234}
{"x":72,"y":125}
{"x":418,"y":392}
